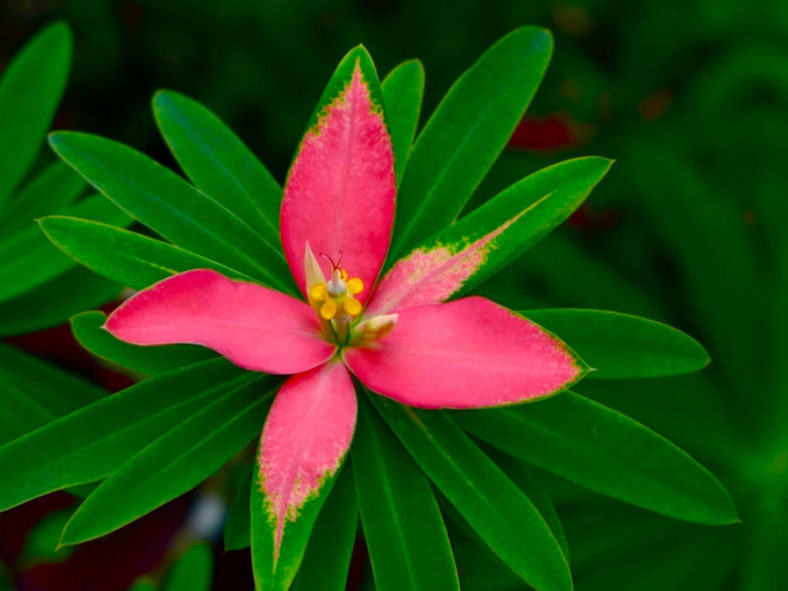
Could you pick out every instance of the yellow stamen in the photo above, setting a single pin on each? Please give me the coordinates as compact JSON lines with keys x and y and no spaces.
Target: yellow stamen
{"x":329,"y":309}
{"x":355,"y":286}
{"x":351,"y":305}
{"x":319,"y":292}
{"x":342,"y":274}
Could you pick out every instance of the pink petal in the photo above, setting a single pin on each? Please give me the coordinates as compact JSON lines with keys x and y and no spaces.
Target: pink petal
{"x":430,"y":275}
{"x":305,"y":438}
{"x":254,"y":327}
{"x":468,"y":353}
{"x":339,"y":195}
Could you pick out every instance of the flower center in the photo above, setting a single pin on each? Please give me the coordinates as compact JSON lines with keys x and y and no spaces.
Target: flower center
{"x":334,"y":301}
{"x":335,"y":297}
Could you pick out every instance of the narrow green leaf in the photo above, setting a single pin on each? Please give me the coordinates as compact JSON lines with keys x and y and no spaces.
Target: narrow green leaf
{"x":607,"y":452}
{"x":492,"y":504}
{"x":218,"y":162}
{"x":175,"y":462}
{"x":525,"y":481}
{"x":193,"y":571}
{"x":237,"y":527}
{"x":30,"y":91}
{"x":88,"y":328}
{"x":33,"y":393}
{"x":20,"y":413}
{"x":54,"y":188}
{"x":130,"y":258}
{"x":620,"y":346}
{"x":403,"y":91}
{"x":327,"y":557}
{"x":467,"y":132}
{"x":55,"y":301}
{"x":480,"y":569}
{"x":27,"y":259}
{"x":275,"y":572}
{"x":170,"y":206}
{"x":94,"y":441}
{"x":407,"y":540}
{"x":41,"y":544}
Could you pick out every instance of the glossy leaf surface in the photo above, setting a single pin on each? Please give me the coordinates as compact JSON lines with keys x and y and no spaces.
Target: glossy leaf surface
{"x":33,"y":393}
{"x":620,"y":346}
{"x":219,"y":163}
{"x":36,"y":309}
{"x":127,"y":257}
{"x":467,"y":132}
{"x":27,"y":259}
{"x":406,"y":538}
{"x":403,"y":91}
{"x":30,"y":91}
{"x":51,"y":190}
{"x":175,"y":462}
{"x":167,"y":204}
{"x":93,"y":442}
{"x":492,"y":504}
{"x":607,"y":452}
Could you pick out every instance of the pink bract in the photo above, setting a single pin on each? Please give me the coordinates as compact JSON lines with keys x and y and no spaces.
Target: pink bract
{"x":339,"y":200}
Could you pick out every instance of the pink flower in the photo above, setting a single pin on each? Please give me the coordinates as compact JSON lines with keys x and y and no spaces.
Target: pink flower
{"x":395,"y":337}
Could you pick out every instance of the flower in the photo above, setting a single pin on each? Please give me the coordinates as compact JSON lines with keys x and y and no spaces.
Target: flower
{"x":396,"y":336}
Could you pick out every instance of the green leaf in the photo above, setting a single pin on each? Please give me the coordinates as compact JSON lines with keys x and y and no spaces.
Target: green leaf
{"x":41,"y":544}
{"x":27,"y":259}
{"x":33,"y":393}
{"x":175,"y":462}
{"x":193,"y":571}
{"x":94,"y":441}
{"x":327,"y":557}
{"x":219,"y":163}
{"x":30,"y":91}
{"x":170,"y":206}
{"x":480,"y":569}
{"x":607,"y":452}
{"x":467,"y":132}
{"x":57,"y":186}
{"x":55,"y":301}
{"x":403,"y":91}
{"x":407,"y":540}
{"x":492,"y":504}
{"x":525,"y":481}
{"x":275,"y":572}
{"x":130,"y":258}
{"x":237,"y":527}
{"x":620,"y":346}
{"x":88,"y":328}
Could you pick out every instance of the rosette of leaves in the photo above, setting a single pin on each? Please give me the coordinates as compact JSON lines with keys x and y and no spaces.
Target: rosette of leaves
{"x":39,"y":286}
{"x":411,"y":472}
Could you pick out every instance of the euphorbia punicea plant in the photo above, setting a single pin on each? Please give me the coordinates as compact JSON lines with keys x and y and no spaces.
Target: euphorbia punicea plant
{"x":398,"y":332}
{"x":397,"y":336}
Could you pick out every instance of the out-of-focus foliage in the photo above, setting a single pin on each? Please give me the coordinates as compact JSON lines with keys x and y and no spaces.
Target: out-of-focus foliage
{"x":688,"y":96}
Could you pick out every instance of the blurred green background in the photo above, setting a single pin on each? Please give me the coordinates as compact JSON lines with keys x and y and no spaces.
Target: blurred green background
{"x":688,"y":95}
